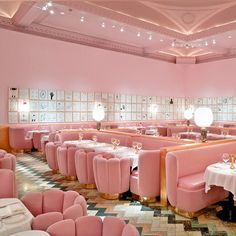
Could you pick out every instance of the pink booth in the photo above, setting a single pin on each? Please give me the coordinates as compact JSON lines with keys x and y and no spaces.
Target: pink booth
{"x":185,"y":177}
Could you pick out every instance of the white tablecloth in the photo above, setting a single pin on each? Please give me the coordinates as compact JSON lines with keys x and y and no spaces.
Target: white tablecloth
{"x":14,"y":216}
{"x":31,"y":233}
{"x":220,"y":174}
{"x":120,"y":152}
{"x":30,"y":133}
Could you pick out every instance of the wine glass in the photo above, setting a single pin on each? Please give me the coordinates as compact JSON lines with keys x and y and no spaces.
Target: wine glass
{"x":81,"y":135}
{"x":113,"y":141}
{"x":139,"y":146}
{"x":117,"y":142}
{"x":225,"y":157}
{"x":95,"y":138}
{"x":134,"y":146}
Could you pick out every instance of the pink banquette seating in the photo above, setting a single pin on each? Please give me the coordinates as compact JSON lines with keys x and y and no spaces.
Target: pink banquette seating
{"x":18,"y":139}
{"x":145,"y":182}
{"x":93,"y":226}
{"x":7,"y":184}
{"x":185,"y":176}
{"x":111,"y":175}
{"x":54,"y":205}
{"x":7,"y":160}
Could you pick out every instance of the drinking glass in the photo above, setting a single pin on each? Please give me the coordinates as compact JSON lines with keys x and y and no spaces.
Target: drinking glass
{"x":117,"y":142}
{"x":113,"y":141}
{"x":81,"y":136}
{"x":95,"y":138}
{"x":134,"y":146}
{"x":139,"y":146}
{"x":225,"y":157}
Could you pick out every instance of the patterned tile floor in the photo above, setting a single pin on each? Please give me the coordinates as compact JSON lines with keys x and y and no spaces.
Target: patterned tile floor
{"x":33,"y":174}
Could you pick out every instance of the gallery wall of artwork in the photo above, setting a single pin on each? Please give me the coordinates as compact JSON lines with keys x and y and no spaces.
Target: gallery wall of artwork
{"x":43,"y":105}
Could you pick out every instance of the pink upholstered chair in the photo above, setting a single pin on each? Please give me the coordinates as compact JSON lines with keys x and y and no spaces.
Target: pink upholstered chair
{"x":7,"y":161}
{"x":37,"y":139}
{"x":7,"y":184}
{"x":93,"y":226}
{"x":111,"y":175}
{"x":51,"y":155}
{"x":145,"y":182}
{"x":54,"y":205}
{"x":66,"y":161}
{"x":18,"y":140}
{"x":84,"y":167}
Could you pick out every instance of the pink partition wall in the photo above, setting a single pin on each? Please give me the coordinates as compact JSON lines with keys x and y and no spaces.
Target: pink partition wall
{"x":212,"y":79}
{"x":35,"y":62}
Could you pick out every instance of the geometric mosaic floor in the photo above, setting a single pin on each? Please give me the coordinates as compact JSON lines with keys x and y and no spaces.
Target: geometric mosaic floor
{"x":33,"y":174}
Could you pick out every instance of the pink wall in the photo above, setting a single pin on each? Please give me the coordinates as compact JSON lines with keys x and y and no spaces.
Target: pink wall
{"x":35,"y":62}
{"x":211,"y":79}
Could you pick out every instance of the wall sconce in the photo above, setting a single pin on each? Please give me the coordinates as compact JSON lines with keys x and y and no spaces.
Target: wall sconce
{"x":203,"y":118}
{"x":188,"y":115}
{"x":98,"y":114}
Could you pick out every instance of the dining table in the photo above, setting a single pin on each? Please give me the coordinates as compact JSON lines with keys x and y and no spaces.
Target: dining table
{"x":118,"y":152}
{"x":220,"y":174}
{"x":14,"y":216}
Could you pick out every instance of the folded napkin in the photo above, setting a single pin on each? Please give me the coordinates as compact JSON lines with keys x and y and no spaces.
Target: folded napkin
{"x":11,"y":210}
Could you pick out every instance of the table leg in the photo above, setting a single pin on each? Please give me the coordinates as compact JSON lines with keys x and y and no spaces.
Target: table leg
{"x":229,"y":210}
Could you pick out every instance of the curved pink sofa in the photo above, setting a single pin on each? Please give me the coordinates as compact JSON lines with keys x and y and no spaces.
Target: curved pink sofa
{"x":54,"y":205}
{"x":18,"y":140}
{"x":8,"y":184}
{"x":51,"y":155}
{"x":93,"y":226}
{"x":185,"y":176}
{"x":145,"y":181}
{"x":111,"y":175}
{"x":84,"y":167}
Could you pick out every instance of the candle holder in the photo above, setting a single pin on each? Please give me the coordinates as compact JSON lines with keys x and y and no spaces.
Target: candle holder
{"x":232,"y":159}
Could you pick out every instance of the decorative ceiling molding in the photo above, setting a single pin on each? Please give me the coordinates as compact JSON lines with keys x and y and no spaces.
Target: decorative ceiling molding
{"x":76,"y":38}
{"x":32,"y":20}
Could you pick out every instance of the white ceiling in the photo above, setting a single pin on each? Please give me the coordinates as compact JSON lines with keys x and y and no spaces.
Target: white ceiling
{"x":201,"y":30}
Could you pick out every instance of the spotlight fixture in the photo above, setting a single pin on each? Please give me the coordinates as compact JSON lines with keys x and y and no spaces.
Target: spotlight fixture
{"x":49,"y":4}
{"x":206,"y":43}
{"x":82,"y":19}
{"x":103,"y":25}
{"x":213,"y":41}
{"x":138,"y":34}
{"x":150,"y":37}
{"x":121,"y":29}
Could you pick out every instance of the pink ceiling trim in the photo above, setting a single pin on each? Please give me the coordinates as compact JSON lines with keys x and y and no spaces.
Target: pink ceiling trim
{"x":73,"y":37}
